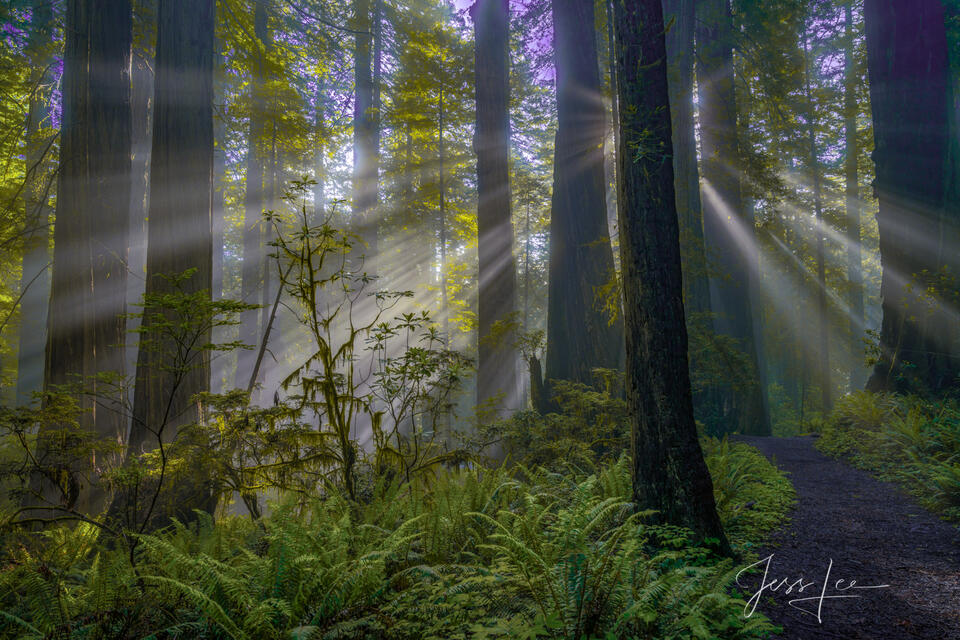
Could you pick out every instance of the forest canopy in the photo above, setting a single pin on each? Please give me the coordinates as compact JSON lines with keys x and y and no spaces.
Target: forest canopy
{"x":352,"y":299}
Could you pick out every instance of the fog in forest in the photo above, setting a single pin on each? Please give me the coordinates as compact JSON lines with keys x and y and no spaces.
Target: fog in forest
{"x":479,"y":318}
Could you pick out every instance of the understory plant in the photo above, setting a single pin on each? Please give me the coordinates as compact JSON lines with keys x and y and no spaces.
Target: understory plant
{"x":476,"y":554}
{"x":905,"y":439}
{"x":366,"y":514}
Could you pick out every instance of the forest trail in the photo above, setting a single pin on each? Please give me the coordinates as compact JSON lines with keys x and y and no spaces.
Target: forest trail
{"x":874,"y":534}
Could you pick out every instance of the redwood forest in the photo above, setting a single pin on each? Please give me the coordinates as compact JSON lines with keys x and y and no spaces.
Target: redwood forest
{"x":477,"y":319}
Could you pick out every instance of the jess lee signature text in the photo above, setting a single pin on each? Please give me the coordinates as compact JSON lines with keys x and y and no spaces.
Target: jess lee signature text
{"x":813,"y":604}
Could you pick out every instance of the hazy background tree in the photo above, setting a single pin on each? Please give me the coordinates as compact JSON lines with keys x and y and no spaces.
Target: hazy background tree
{"x":179,"y":230}
{"x":728,"y":225}
{"x":496,"y":366}
{"x":580,"y":336}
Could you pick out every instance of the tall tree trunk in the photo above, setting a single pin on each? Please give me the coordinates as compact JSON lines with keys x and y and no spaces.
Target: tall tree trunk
{"x":669,"y":473}
{"x":728,"y":232}
{"x":319,"y":189}
{"x":35,"y":274}
{"x":497,"y":365}
{"x":823,"y":318}
{"x":686,"y":173}
{"x":696,"y":291}
{"x":179,"y":230}
{"x":219,"y":362}
{"x":579,"y":336}
{"x":442,"y":223}
{"x":366,"y":126}
{"x":852,"y":202}
{"x":88,"y":284}
{"x":614,"y":116}
{"x":909,"y":93}
{"x":145,"y":28}
{"x":254,"y":201}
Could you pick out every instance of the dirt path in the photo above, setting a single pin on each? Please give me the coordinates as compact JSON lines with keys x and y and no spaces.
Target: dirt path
{"x":875,"y":535}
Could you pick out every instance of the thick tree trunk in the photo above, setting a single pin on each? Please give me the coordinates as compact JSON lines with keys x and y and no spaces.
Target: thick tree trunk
{"x":728,"y":232}
{"x":497,"y":365}
{"x":910,"y":95}
{"x":35,"y":274}
{"x":579,"y":336}
{"x":179,"y":228}
{"x":110,"y":128}
{"x":88,"y":288}
{"x":670,"y":474}
{"x":254,"y":202}
{"x":823,"y":318}
{"x":852,"y":202}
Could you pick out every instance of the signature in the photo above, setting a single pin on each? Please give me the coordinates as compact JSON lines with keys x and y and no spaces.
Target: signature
{"x":840,"y":588}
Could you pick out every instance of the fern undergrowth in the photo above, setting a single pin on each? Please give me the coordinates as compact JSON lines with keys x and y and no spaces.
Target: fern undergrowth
{"x":474,"y":553}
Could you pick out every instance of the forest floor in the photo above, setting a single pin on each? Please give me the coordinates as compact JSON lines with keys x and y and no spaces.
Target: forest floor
{"x":871,"y":532}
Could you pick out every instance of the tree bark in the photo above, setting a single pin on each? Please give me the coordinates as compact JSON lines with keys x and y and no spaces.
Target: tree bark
{"x":442,"y":222}
{"x":728,"y":232}
{"x":35,"y":274}
{"x":365,"y":126}
{"x":319,"y":189}
{"x":669,"y":473}
{"x":823,"y":318}
{"x":179,"y":228}
{"x":497,"y":363}
{"x":580,"y":337}
{"x":87,"y":326}
{"x":852,"y":203}
{"x":680,"y":50}
{"x":910,"y":94}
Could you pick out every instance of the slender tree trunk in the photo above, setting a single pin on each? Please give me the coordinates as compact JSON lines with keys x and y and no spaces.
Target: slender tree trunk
{"x":442,"y":224}
{"x":251,"y":274}
{"x":219,"y":362}
{"x":319,"y":189}
{"x":497,"y":366}
{"x":910,"y":95}
{"x":142,"y":107}
{"x":365,"y":128}
{"x":179,"y":230}
{"x":823,"y":318}
{"x":728,"y":233}
{"x":269,"y":265}
{"x":580,"y":337}
{"x":669,"y":473}
{"x":686,"y":173}
{"x":615,"y":120}
{"x":35,"y":274}
{"x":852,"y":177}
{"x":680,"y":57}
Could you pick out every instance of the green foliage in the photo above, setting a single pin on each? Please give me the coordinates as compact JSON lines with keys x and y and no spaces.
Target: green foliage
{"x":591,"y":426}
{"x":477,"y":554}
{"x":592,"y":429}
{"x":905,"y":439}
{"x":752,"y":495}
